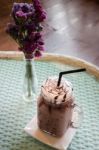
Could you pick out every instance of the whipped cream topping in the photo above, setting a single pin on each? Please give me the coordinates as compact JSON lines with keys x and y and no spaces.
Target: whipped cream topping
{"x":54,"y":94}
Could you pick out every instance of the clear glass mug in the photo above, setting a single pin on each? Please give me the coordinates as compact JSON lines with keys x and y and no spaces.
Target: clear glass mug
{"x":56,"y":119}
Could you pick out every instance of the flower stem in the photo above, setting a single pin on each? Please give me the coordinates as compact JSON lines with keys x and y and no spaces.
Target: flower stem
{"x":29,"y":77}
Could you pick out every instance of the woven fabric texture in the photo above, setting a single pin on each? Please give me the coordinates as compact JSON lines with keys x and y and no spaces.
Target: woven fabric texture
{"x":15,"y":113}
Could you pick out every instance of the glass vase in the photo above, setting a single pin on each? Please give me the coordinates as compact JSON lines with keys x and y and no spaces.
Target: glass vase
{"x":30,"y":81}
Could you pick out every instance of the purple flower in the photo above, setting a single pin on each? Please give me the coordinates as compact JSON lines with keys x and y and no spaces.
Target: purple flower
{"x":16,"y":7}
{"x":41,"y":16}
{"x":22,"y":12}
{"x":32,"y":36}
{"x":40,"y":13}
{"x":26,"y":27}
{"x":41,"y":48}
{"x":30,"y":27}
{"x":36,"y":3}
{"x":29,"y":47}
{"x":26,"y":8}
{"x":37,"y":53}
{"x":41,"y":42}
{"x":38,"y":39}
{"x":37,"y":36}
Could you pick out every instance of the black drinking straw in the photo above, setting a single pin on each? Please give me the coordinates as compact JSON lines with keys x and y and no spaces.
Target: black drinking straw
{"x":67,"y":72}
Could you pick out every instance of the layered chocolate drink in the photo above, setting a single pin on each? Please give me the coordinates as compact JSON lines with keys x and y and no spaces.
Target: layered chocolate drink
{"x":55,"y":106}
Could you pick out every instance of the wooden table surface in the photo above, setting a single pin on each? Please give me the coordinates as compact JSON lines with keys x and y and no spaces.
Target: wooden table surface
{"x":72,"y":28}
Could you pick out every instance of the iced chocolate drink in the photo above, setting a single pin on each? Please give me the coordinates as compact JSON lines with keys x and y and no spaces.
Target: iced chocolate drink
{"x":55,"y":106}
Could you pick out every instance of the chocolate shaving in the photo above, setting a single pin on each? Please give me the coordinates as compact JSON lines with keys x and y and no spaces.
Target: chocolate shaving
{"x":63,"y":100}
{"x":59,"y":92}
{"x":43,"y":87}
{"x":50,"y":91}
{"x":64,"y":96}
{"x":55,"y":97}
{"x":61,"y":87}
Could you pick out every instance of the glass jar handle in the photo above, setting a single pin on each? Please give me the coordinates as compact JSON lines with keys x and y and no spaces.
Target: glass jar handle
{"x":77,"y":116}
